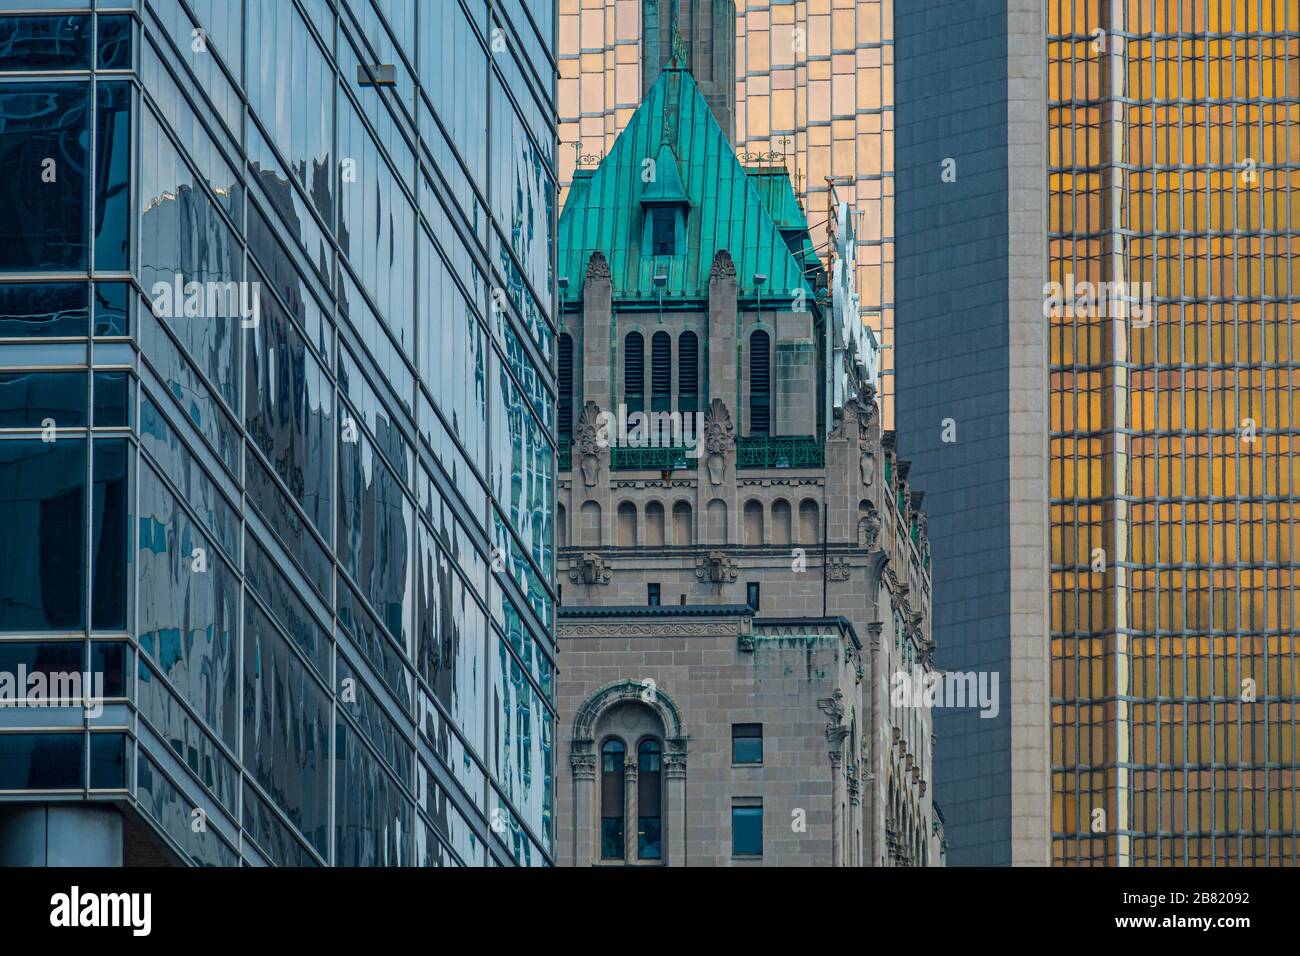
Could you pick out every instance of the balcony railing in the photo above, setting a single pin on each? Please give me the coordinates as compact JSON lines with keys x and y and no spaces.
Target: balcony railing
{"x":661,"y":458}
{"x":776,"y":452}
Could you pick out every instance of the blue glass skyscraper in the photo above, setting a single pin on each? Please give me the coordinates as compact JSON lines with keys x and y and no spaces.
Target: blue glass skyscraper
{"x":277,"y":431}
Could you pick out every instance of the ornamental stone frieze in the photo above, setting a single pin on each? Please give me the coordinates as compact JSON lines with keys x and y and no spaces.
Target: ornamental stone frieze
{"x":649,"y":629}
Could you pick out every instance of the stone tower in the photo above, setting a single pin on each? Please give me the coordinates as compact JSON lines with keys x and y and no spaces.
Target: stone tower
{"x":744,"y":569}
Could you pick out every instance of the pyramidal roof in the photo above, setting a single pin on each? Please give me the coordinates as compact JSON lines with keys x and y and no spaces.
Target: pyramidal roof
{"x":674,"y":153}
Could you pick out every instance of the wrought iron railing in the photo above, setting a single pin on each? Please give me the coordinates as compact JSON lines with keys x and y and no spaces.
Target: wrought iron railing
{"x":776,"y":452}
{"x":657,"y":458}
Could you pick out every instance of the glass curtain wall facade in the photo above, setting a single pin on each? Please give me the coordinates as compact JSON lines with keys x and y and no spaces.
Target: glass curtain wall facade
{"x":277,"y":421}
{"x":814,"y":83}
{"x":1174,"y":160}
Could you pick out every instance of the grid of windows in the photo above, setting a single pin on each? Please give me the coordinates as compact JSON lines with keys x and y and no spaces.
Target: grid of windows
{"x":1174,"y":163}
{"x":267,"y":429}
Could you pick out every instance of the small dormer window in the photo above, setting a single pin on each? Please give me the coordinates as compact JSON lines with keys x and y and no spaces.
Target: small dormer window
{"x":663,"y":231}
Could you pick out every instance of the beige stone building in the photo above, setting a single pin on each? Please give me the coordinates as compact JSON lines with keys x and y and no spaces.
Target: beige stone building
{"x":744,"y":569}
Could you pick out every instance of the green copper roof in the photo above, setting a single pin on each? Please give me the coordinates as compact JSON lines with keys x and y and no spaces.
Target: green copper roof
{"x":773,"y":185}
{"x":777,"y":192}
{"x":673,"y":133}
{"x":665,"y":187}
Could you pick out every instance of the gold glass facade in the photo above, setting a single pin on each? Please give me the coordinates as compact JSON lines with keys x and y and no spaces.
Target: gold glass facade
{"x":814,"y":83}
{"x":1174,"y":160}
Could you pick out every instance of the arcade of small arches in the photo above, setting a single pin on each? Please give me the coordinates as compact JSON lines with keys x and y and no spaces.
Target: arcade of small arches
{"x":656,"y":524}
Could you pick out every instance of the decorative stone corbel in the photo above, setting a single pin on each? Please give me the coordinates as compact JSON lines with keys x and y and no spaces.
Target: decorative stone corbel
{"x":745,"y":636}
{"x":591,"y":568}
{"x":716,"y":567}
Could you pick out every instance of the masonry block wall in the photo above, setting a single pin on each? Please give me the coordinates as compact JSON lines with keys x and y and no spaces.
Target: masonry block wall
{"x":835,"y":557}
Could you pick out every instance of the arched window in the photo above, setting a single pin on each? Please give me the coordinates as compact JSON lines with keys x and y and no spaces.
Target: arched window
{"x":627,"y":524}
{"x":566,"y":390}
{"x":654,"y":525}
{"x":611,"y":800}
{"x":809,"y":521}
{"x":781,"y":523}
{"x":753,"y":522}
{"x":683,"y":532}
{"x":634,"y":372}
{"x":688,"y":373}
{"x":760,"y":385}
{"x":715,"y":521}
{"x":649,"y":802}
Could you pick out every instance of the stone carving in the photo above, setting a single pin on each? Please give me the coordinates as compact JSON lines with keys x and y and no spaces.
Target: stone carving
{"x":867,"y":467}
{"x":745,"y":635}
{"x":589,"y":444}
{"x":590,"y":569}
{"x":724,"y":267}
{"x":869,"y":529}
{"x":837,"y":570}
{"x":584,"y":765}
{"x":833,"y":708}
{"x":598,"y":266}
{"x":719,"y":439}
{"x":717,"y":568}
{"x":674,"y":763}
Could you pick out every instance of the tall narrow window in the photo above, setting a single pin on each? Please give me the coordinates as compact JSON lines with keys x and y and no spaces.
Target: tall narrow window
{"x":760,"y":385}
{"x":634,"y":372}
{"x":611,"y":800}
{"x":661,"y":387}
{"x":661,"y":372}
{"x":649,"y":823}
{"x":688,"y":373}
{"x":746,"y":826}
{"x":566,"y":389}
